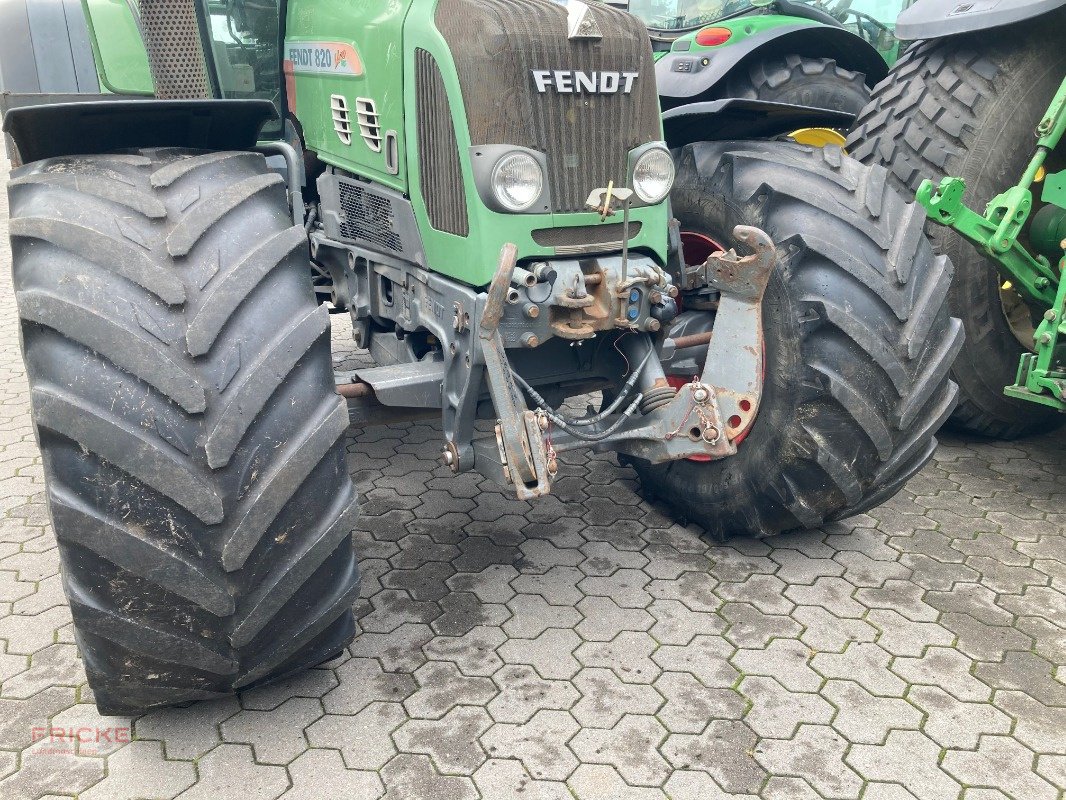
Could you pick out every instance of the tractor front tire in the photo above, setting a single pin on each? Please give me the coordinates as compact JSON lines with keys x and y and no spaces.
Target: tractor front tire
{"x":797,"y":80}
{"x":967,"y":106}
{"x":858,"y":340}
{"x":193,"y":441}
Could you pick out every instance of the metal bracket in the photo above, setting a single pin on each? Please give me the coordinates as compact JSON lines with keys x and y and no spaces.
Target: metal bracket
{"x":518,"y":434}
{"x":734,"y":366}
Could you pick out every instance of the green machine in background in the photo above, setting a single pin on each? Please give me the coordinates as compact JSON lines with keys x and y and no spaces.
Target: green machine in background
{"x":823,"y":54}
{"x":488,"y":188}
{"x":1036,"y":274}
{"x":973,"y":104}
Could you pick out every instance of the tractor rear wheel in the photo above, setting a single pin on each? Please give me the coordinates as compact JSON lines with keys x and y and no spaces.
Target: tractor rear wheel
{"x":817,"y":82}
{"x":193,"y":441}
{"x":858,"y":341}
{"x":967,"y":106}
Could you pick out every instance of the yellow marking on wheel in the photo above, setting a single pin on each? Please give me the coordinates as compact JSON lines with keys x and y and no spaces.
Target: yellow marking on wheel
{"x":818,"y":137}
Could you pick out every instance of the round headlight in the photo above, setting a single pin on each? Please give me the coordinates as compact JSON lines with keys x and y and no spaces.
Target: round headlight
{"x":653,"y":175}
{"x":517,"y":181}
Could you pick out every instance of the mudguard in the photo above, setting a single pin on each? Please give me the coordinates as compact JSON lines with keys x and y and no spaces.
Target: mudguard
{"x":683,"y":76}
{"x":61,"y":129}
{"x":736,"y":118}
{"x":932,"y":19}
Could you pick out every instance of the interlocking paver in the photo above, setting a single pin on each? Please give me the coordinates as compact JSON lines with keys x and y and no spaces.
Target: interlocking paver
{"x":127,"y":768}
{"x":724,"y":750}
{"x":587,"y":646}
{"x":815,"y":754}
{"x":230,"y":771}
{"x":451,"y":741}
{"x":866,"y":718}
{"x":690,"y":706}
{"x":605,"y":698}
{"x":953,"y":723}
{"x":539,"y":744}
{"x":787,"y":660}
{"x":995,"y":764}
{"x":501,"y":777}
{"x":317,"y":767}
{"x":908,"y":758}
{"x":631,"y":747}
{"x":276,"y":736}
{"x":522,"y":693}
{"x":776,"y":712}
{"x":441,"y":687}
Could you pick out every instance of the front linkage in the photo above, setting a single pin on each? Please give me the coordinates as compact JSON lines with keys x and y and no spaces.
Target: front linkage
{"x":646,"y":418}
{"x":1038,"y":278}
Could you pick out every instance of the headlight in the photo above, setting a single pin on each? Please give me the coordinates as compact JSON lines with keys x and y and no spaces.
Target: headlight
{"x":517,"y":181}
{"x":653,"y":175}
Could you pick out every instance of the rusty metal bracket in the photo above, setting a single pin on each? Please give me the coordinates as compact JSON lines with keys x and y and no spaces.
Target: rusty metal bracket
{"x":518,"y":434}
{"x":735,"y":355}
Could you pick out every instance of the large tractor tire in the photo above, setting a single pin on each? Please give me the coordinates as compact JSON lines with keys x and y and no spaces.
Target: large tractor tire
{"x":967,"y":106}
{"x":858,"y":341}
{"x":192,"y":437}
{"x":797,"y":80}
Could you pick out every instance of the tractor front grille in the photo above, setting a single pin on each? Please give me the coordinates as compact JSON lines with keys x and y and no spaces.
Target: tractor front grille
{"x":175,"y":49}
{"x":496,"y":46}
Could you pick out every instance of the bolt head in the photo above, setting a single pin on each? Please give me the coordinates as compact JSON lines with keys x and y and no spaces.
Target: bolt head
{"x":700,"y":395}
{"x":448,"y":458}
{"x":1050,"y":315}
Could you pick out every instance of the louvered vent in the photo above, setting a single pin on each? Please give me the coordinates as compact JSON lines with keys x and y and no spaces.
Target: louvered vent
{"x":342,"y":123}
{"x":367,"y":114}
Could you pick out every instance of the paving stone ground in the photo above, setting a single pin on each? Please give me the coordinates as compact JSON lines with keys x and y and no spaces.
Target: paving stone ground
{"x":586,"y":647}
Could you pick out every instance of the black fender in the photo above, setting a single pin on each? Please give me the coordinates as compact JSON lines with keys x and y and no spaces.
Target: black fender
{"x":933,"y":19}
{"x":62,"y":129}
{"x":735,"y":118}
{"x":683,"y":77}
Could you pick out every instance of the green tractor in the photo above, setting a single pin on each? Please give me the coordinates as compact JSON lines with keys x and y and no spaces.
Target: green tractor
{"x":485,"y":187}
{"x":978,"y":103}
{"x":800,"y":52}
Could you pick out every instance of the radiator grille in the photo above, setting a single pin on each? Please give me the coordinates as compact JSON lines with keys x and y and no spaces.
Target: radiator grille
{"x":438,"y":150}
{"x":496,"y":45}
{"x":585,"y":238}
{"x":368,"y":217}
{"x":175,"y":49}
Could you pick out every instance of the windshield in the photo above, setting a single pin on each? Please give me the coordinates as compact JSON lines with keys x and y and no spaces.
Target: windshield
{"x":679,"y":15}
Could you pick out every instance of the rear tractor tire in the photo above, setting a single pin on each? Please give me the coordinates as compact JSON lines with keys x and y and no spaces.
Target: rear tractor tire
{"x":967,"y":106}
{"x":797,"y":80}
{"x":858,"y":340}
{"x":183,"y":399}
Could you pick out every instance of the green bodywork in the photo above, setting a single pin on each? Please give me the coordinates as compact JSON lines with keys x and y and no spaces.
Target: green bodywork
{"x":381,"y":39}
{"x":759,"y":21}
{"x":742,"y":28}
{"x":1037,"y":277}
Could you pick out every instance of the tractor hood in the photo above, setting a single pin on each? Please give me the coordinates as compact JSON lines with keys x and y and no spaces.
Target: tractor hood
{"x":931,"y":19}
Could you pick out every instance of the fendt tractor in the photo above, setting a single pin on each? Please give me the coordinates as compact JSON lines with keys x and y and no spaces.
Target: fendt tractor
{"x":485,"y":186}
{"x":972,"y":119}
